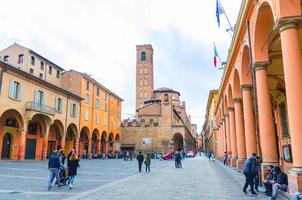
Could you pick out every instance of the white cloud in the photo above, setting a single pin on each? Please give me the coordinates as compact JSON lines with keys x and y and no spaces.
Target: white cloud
{"x":99,"y":37}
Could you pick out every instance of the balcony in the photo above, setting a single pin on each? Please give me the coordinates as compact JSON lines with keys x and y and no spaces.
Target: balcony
{"x":40,"y":108}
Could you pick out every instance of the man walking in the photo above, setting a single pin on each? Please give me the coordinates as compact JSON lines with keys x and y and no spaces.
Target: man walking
{"x":140,"y":159}
{"x":53,"y":166}
{"x":249,"y":170}
{"x":147,"y":162}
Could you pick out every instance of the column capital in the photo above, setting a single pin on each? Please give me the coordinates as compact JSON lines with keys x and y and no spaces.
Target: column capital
{"x":261,"y":65}
{"x":287,"y":23}
{"x":246,"y":87}
{"x":237,"y":100}
{"x":231,"y":109}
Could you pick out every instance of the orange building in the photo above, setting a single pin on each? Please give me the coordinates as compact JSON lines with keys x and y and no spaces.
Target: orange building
{"x":100,"y":114}
{"x":259,"y":105}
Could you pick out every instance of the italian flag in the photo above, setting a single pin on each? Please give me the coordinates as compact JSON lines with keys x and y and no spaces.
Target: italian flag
{"x":215,"y":56}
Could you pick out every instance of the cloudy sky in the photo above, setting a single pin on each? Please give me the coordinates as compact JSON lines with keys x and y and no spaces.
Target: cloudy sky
{"x":99,"y":37}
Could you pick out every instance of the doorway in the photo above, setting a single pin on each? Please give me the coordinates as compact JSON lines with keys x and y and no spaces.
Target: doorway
{"x":6,"y":146}
{"x":30,"y":152}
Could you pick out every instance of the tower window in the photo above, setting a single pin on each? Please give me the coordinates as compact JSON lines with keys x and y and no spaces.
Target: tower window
{"x":20,"y":59}
{"x":32,"y":60}
{"x":6,"y":58}
{"x":143,"y":56}
{"x":166,"y":98}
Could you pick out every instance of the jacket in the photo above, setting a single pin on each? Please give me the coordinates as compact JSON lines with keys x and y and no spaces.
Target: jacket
{"x":250,"y":166}
{"x":140,"y":158}
{"x":147,"y":161}
{"x":54,"y":162}
{"x":72,"y":167}
{"x":282,"y":178}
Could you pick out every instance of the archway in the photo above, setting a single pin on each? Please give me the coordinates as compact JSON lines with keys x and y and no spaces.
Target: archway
{"x":117,"y":143}
{"x":178,"y":142}
{"x":84,"y":142}
{"x":55,"y":135}
{"x":71,"y":138}
{"x":95,"y":143}
{"x":36,"y":130}
{"x":11,"y":123}
{"x":110,"y":142}
{"x":104,"y":142}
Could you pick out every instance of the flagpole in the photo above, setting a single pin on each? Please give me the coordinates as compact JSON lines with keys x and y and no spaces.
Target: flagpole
{"x":231,"y":28}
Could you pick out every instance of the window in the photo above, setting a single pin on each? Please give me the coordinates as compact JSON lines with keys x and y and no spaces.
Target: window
{"x":31,"y":71}
{"x":15,"y":90}
{"x":32,"y":60}
{"x":86,"y":115}
{"x":97,"y":103}
{"x":146,"y":70}
{"x":59,"y":105}
{"x":39,"y":97}
{"x":145,"y":94}
{"x":96,"y":118}
{"x":166,"y":98}
{"x":73,"y":110}
{"x":140,"y":94}
{"x":143,"y":56}
{"x":42,"y":65}
{"x":87,"y":98}
{"x":106,"y":96}
{"x":105,"y":107}
{"x":6,"y":58}
{"x":145,"y":81}
{"x":20,"y":59}
{"x":105,"y":120}
{"x":283,"y":117}
{"x":41,"y":76}
{"x":58,"y":74}
{"x":98,"y":91}
{"x":118,"y":103}
{"x":49,"y":70}
{"x":141,"y":71}
{"x":87,"y":85}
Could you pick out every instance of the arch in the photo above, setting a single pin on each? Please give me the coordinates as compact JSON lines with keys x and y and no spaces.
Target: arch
{"x":15,"y":116}
{"x":178,"y":142}
{"x":95,"y":142}
{"x":71,"y":137}
{"x":143,"y":56}
{"x":263,"y":26}
{"x":110,"y":142}
{"x":117,"y":137}
{"x":230,"y":97}
{"x":104,"y":142}
{"x":84,"y":142}
{"x":56,"y":132}
{"x":39,"y":122}
{"x":236,"y":85}
{"x":246,"y":74}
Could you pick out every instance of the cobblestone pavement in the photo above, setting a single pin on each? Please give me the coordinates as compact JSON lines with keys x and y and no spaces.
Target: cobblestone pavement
{"x":116,"y":179}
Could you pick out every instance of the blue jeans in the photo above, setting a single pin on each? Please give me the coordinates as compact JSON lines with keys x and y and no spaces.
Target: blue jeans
{"x":277,"y":187}
{"x":71,"y":179}
{"x":53,"y":172}
{"x":297,"y":196}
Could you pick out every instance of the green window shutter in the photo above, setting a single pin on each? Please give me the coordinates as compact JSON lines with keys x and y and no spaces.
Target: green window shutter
{"x":71,"y":109}
{"x":20,"y":92}
{"x":56,"y":104}
{"x":62,"y":105}
{"x":36,"y":96}
{"x":11,"y":89}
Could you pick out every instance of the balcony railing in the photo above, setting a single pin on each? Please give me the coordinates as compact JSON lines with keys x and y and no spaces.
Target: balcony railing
{"x":40,"y":108}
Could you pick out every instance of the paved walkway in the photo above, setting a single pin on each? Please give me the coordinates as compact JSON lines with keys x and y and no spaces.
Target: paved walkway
{"x":198,"y":179}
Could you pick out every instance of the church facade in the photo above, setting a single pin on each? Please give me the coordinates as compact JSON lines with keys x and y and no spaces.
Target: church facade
{"x":161,"y":123}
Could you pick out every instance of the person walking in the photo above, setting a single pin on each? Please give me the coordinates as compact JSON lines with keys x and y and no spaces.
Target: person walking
{"x":147,"y":162}
{"x":249,"y":170}
{"x":140,"y":159}
{"x":73,"y":165}
{"x":177,"y":157}
{"x":53,"y":166}
{"x":225,"y":158}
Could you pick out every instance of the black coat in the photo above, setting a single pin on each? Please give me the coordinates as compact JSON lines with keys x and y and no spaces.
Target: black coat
{"x":72,"y":167}
{"x":282,"y":178}
{"x":140,"y":158}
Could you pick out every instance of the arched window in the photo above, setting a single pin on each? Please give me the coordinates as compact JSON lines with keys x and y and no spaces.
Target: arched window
{"x":143,"y":56}
{"x":166,"y":98}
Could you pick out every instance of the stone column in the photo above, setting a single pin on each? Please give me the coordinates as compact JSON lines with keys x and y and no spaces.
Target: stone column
{"x":233,"y":137}
{"x":265,"y":115}
{"x":76,"y":146}
{"x":240,"y":133}
{"x":98,"y":146}
{"x":63,"y":143}
{"x":228,"y":135}
{"x":223,"y":136}
{"x":249,"y":120}
{"x":292,"y":64}
{"x":22,"y":144}
{"x":89,"y":148}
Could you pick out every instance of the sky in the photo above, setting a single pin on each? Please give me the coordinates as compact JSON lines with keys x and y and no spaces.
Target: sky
{"x":99,"y":37}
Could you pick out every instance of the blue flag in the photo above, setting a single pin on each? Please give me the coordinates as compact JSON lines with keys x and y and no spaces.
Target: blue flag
{"x":219,"y":11}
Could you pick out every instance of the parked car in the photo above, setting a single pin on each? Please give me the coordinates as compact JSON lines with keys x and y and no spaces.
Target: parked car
{"x":190,"y":154}
{"x":155,"y":155}
{"x":168,"y":156}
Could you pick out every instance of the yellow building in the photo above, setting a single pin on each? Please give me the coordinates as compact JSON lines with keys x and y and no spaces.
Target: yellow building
{"x":209,"y":126}
{"x":36,"y":114}
{"x":100,"y":114}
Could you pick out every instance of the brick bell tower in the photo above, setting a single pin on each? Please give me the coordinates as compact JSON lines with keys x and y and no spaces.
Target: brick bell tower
{"x":144,"y":74}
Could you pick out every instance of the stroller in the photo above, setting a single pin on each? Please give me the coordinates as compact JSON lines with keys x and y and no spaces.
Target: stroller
{"x":63,"y":175}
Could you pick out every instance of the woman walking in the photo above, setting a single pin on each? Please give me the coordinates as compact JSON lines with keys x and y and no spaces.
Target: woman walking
{"x":147,"y":162}
{"x":73,"y":165}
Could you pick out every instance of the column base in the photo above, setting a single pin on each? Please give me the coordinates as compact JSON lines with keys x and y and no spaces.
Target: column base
{"x":240,"y":163}
{"x":295,"y":180}
{"x":233,"y":162}
{"x":264,"y":169}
